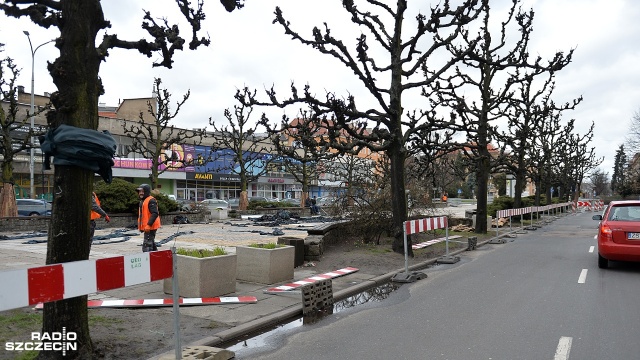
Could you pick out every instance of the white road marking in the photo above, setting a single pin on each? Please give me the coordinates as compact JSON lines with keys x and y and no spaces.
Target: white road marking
{"x":583,"y":276}
{"x":564,"y":347}
{"x":591,"y":249}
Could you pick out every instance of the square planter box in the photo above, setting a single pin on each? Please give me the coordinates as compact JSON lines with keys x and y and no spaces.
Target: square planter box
{"x":219,"y":214}
{"x":265,"y":266}
{"x":204,"y":277}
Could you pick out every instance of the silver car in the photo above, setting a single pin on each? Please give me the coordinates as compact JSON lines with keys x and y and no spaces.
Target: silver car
{"x":33,"y":207}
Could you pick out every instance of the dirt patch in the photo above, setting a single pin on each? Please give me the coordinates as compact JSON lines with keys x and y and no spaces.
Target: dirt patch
{"x":142,"y":333}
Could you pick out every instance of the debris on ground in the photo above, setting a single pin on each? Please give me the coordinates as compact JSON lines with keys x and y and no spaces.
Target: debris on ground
{"x":499,"y":222}
{"x":462,"y":228}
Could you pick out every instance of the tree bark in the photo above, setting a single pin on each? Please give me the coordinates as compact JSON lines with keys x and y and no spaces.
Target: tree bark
{"x":75,"y":73}
{"x":8,"y":201}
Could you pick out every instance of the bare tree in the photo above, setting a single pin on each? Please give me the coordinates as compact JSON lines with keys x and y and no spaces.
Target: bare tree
{"x":486,"y":75}
{"x":15,"y":133}
{"x":405,"y":67}
{"x":248,"y":149}
{"x":600,"y":182}
{"x":159,"y":141}
{"x":301,"y":153}
{"x":632,"y":139}
{"x":75,"y":74}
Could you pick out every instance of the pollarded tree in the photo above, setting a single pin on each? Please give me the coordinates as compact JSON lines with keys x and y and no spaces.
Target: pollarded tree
{"x":301,"y":153}
{"x":582,"y":158}
{"x":15,"y":133}
{"x":158,"y":140}
{"x":248,"y":149}
{"x":392,"y":68}
{"x":489,"y":73}
{"x":75,"y":74}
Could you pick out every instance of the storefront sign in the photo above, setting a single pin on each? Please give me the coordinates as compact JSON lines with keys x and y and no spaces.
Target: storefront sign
{"x":203,"y":176}
{"x":276,"y":180}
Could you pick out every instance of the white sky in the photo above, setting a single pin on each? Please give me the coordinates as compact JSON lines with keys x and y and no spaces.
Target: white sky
{"x":248,"y":50}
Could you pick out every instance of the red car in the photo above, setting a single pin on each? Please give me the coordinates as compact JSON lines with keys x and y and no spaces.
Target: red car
{"x":619,"y":233}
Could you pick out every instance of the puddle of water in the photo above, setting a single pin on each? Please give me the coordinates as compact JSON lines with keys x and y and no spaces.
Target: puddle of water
{"x":255,"y":341}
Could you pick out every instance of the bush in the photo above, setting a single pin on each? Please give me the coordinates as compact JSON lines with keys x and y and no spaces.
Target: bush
{"x":121,"y":197}
{"x":499,"y":203}
{"x":118,"y":197}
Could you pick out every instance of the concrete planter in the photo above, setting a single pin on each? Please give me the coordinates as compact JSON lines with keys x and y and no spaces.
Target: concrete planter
{"x":219,"y":214}
{"x":205,"y":277}
{"x":265,"y":266}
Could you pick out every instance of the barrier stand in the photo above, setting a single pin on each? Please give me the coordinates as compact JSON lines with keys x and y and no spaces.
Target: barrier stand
{"x":176,"y":307}
{"x":447,"y":259}
{"x":406,"y":276}
{"x":416,"y":226}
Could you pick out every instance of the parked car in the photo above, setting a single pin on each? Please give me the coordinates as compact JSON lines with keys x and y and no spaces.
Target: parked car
{"x":215,"y":203}
{"x":186,"y":205}
{"x":234,"y":203}
{"x":619,"y":233}
{"x":326,"y":201}
{"x":33,"y":207}
{"x":291,"y":202}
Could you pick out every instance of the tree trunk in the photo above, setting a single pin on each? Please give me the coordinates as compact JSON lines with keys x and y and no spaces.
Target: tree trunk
{"x":75,"y":74}
{"x":8,"y":205}
{"x":482,"y":175}
{"x":243,"y":201}
{"x":398,"y":198}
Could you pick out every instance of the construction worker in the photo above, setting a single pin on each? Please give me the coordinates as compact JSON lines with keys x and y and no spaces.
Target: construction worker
{"x":96,"y":213}
{"x":148,"y":217}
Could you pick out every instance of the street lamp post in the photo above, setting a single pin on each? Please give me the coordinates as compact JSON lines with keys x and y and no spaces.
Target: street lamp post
{"x":32,"y":191}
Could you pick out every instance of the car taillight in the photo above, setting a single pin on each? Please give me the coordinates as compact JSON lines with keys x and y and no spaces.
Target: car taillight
{"x":606,"y":233}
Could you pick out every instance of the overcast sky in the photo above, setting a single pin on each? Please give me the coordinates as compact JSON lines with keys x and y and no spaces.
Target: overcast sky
{"x":248,"y":50}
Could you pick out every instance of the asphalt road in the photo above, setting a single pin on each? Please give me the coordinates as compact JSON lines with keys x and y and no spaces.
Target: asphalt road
{"x":541,"y":296}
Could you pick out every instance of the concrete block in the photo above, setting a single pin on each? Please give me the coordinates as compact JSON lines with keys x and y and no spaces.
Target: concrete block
{"x":298,"y":244}
{"x":265,"y":266}
{"x":204,"y":277}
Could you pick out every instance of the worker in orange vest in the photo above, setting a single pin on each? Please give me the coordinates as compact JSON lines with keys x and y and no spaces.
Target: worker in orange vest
{"x":148,"y":217}
{"x":96,"y":213}
{"x":444,"y":198}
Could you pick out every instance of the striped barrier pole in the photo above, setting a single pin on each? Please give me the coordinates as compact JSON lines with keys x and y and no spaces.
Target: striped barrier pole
{"x":176,"y":305}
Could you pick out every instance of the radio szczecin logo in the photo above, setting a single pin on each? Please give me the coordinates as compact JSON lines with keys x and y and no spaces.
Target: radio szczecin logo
{"x":54,"y":341}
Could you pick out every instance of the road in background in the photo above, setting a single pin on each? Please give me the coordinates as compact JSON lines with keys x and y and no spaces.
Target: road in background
{"x":541,"y":296}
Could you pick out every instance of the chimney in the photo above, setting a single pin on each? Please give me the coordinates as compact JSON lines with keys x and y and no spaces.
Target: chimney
{"x":20,"y":89}
{"x":46,"y":94}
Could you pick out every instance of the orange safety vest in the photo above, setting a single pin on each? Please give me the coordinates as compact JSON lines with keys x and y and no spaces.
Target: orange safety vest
{"x":95,"y":215}
{"x":144,"y":215}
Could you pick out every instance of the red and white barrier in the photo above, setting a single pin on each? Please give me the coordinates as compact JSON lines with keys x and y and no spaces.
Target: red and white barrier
{"x":296,"y":284}
{"x":119,"y":303}
{"x":422,"y":225}
{"x":66,"y":280}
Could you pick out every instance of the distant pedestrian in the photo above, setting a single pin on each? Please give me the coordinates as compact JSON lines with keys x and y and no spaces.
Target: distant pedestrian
{"x":315,"y":210}
{"x":96,"y":213}
{"x":148,"y":217}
